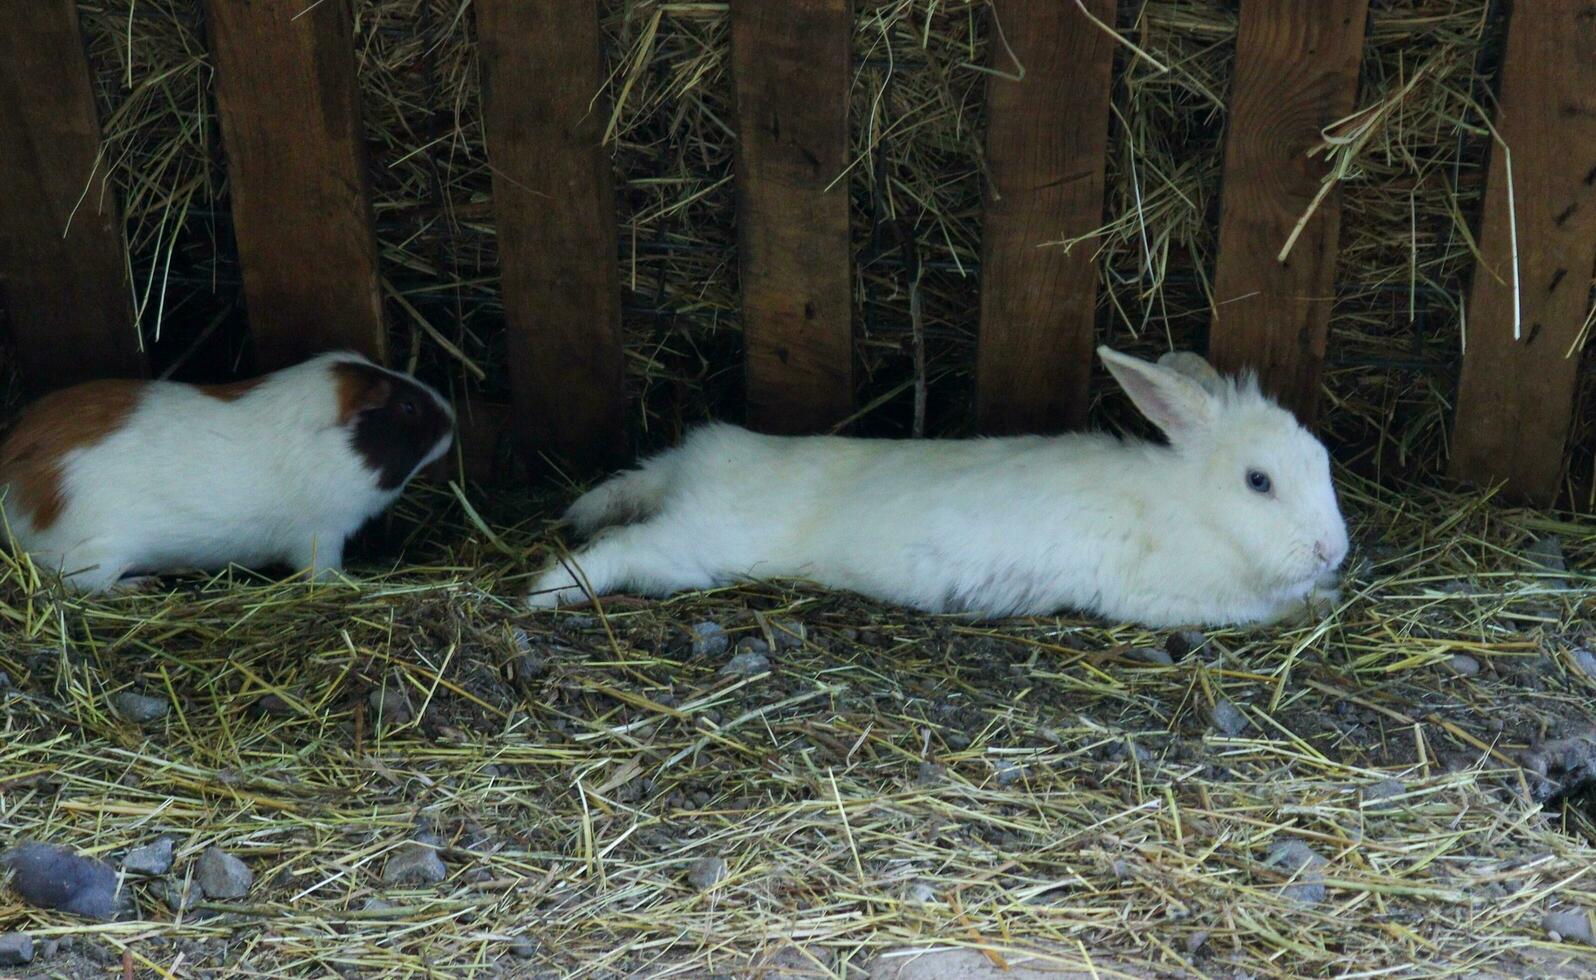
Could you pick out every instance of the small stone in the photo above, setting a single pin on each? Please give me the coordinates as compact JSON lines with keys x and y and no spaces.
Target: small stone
{"x":709,"y":639}
{"x":1009,"y":773}
{"x":16,"y":949}
{"x":1182,"y":643}
{"x":1463,"y":665}
{"x":376,"y":905}
{"x":1293,"y":857}
{"x":1228,"y":718}
{"x":705,"y":873}
{"x":1195,"y":942}
{"x":1375,"y":796}
{"x":58,"y":878}
{"x":746,"y":664}
{"x":153,"y":860}
{"x":1584,"y":660}
{"x":1545,"y":554}
{"x":274,"y":706}
{"x":752,"y":644}
{"x":49,"y":948}
{"x":390,"y":703}
{"x":930,"y":773}
{"x":1569,"y":924}
{"x":1152,"y":655}
{"x":180,"y":896}
{"x":920,"y":891}
{"x":789,"y":634}
{"x":139,"y":708}
{"x":222,"y":875}
{"x":524,"y":948}
{"x":414,"y":863}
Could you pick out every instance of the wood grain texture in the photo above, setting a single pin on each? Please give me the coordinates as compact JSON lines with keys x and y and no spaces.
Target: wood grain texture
{"x":790,"y":68}
{"x":296,"y":170}
{"x":555,"y":211}
{"x":1046,"y":143}
{"x":1516,"y":396}
{"x":1296,"y":73}
{"x":63,"y":270}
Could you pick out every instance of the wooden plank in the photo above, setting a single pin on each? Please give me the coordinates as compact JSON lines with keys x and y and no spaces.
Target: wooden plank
{"x":296,"y":170}
{"x":1046,"y":143}
{"x":62,"y":265}
{"x":1296,"y":73}
{"x":790,"y":68}
{"x":1516,"y":394}
{"x":556,"y":220}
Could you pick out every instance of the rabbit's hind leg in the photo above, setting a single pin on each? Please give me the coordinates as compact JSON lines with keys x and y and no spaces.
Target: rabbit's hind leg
{"x":646,"y":558}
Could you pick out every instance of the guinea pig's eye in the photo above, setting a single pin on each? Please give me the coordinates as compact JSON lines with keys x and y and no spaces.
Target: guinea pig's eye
{"x":407,"y":407}
{"x":1258,"y":481}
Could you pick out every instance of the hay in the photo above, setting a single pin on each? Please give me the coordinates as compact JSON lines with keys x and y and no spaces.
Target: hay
{"x":895,"y":781}
{"x":1409,"y":164}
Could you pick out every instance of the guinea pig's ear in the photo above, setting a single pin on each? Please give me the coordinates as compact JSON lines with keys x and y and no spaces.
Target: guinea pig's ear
{"x":361,"y":388}
{"x":1194,"y":367}
{"x":1170,"y":399}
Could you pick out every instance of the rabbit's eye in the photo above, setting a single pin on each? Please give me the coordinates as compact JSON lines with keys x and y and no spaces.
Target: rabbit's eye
{"x":1258,"y":481}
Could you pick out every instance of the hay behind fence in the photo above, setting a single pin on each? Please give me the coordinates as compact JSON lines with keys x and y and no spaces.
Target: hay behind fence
{"x":1410,"y":164}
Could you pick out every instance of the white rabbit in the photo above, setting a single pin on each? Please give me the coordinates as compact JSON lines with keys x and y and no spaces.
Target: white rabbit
{"x":110,"y":478}
{"x":1235,"y":521}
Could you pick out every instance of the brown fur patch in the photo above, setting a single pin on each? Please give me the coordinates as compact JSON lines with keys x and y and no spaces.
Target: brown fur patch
{"x":30,"y":456}
{"x":233,"y":390}
{"x":360,"y":387}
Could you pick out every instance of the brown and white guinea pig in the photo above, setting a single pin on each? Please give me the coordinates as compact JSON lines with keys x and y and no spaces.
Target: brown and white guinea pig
{"x":114,"y":478}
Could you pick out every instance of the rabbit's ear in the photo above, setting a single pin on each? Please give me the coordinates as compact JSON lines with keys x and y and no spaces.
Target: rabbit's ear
{"x":1194,"y":367}
{"x":1171,"y":400}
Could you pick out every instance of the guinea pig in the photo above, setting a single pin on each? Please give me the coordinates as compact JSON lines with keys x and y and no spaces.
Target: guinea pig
{"x":116,"y":478}
{"x":1234,"y":521}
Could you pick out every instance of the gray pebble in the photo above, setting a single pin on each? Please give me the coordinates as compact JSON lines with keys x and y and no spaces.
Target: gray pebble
{"x":376,"y":905}
{"x":788,"y":633}
{"x":414,"y":863}
{"x":706,"y":873}
{"x":58,"y":878}
{"x":49,"y":948}
{"x":1152,"y":655}
{"x":1009,"y":773}
{"x":920,"y":891}
{"x":1293,"y":857}
{"x":151,"y":859}
{"x":1228,"y":718}
{"x":709,"y":639}
{"x":180,"y":896}
{"x":1584,"y":660}
{"x":1463,"y":665}
{"x":752,"y":644}
{"x":524,"y":948}
{"x":1547,"y":552}
{"x":930,"y":773}
{"x":16,"y":948}
{"x":222,"y":875}
{"x":1569,"y":924}
{"x":139,"y":708}
{"x":1184,"y":642}
{"x":1196,"y":941}
{"x":746,"y":664}
{"x":1382,"y":791}
{"x":390,"y":703}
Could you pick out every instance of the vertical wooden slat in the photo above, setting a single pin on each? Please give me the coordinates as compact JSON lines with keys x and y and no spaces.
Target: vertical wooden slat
{"x":1046,"y":142}
{"x":1296,"y":72}
{"x":555,"y":211}
{"x":1516,"y":395}
{"x":791,"y":68}
{"x":296,"y":170}
{"x":62,"y":265}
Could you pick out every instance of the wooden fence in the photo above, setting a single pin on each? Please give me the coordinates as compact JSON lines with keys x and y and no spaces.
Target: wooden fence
{"x":286,"y":94}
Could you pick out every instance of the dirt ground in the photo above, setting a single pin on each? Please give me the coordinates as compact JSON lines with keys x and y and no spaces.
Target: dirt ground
{"x":425,"y":780}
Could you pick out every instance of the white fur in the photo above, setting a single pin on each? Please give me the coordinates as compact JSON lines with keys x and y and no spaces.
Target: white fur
{"x":192,"y":481}
{"x":1162,"y":535}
